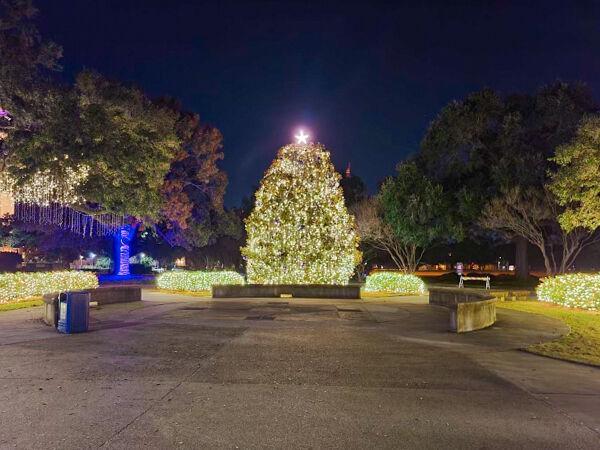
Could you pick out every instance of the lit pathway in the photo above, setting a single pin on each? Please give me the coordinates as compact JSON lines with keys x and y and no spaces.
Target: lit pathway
{"x":184,"y":372}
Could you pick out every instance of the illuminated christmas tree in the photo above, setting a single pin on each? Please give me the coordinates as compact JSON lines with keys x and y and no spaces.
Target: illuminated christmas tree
{"x":300,"y":231}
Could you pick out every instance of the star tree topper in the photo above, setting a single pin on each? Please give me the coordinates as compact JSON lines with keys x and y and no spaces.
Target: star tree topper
{"x":302,"y":137}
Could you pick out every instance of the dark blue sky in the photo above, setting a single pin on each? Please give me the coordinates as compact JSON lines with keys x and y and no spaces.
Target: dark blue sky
{"x":366,"y":78}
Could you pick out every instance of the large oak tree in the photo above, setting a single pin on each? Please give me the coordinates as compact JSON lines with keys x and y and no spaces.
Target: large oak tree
{"x":146,"y":159}
{"x":489,"y":145}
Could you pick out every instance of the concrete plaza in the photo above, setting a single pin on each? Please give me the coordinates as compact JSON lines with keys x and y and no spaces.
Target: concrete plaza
{"x":185,"y":372}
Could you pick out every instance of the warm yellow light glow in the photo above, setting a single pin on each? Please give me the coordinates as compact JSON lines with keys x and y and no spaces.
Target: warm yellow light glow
{"x":7,"y":204}
{"x":399,"y":283}
{"x":21,"y":285}
{"x":45,"y":187}
{"x":180,"y":262}
{"x":575,"y":290}
{"x":185,"y":280}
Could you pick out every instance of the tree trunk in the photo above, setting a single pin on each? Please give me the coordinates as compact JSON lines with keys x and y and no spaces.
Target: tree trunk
{"x":122,"y":241}
{"x":547,"y":262}
{"x":521,"y":258}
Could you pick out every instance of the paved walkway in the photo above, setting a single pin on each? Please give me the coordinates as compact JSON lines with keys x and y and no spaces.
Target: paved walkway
{"x":183,"y":372}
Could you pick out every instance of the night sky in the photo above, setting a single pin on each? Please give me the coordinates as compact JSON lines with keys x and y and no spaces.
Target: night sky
{"x":364,"y":78}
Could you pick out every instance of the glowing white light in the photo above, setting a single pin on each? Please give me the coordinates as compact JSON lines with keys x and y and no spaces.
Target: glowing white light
{"x":301,"y":137}
{"x":21,"y":285}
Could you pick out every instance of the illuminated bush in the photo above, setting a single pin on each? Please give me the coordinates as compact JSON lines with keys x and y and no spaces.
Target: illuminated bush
{"x":21,"y":285}
{"x":577,"y":290}
{"x":197,"y":281}
{"x":399,"y":283}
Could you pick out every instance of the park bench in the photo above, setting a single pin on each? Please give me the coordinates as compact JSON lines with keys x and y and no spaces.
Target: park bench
{"x":461,"y":283}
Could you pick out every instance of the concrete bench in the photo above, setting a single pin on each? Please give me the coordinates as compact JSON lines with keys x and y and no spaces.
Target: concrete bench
{"x":103,"y":295}
{"x":469,"y":310}
{"x":349,"y":291}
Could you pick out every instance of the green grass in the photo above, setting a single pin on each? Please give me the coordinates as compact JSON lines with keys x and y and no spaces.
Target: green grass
{"x":581,"y":344}
{"x":203,"y":294}
{"x":380,"y":294}
{"x":19,"y":304}
{"x":506,"y":284}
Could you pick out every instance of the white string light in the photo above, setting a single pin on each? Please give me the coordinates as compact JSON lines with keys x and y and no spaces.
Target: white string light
{"x":48,"y":200}
{"x":300,"y":231}
{"x":45,"y":188}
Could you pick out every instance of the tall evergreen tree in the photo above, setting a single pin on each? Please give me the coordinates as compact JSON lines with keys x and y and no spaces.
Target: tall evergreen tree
{"x":300,"y":231}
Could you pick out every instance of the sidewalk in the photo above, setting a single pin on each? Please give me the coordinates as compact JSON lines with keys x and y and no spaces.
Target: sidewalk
{"x":184,"y":372}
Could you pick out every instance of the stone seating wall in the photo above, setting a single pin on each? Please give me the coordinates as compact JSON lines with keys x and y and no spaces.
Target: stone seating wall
{"x":278,"y":290}
{"x":470,"y":309}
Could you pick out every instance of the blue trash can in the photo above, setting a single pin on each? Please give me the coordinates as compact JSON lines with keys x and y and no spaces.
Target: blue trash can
{"x":73,"y":312}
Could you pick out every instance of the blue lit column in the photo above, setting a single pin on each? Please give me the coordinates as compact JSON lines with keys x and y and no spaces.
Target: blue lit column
{"x":122,"y":242}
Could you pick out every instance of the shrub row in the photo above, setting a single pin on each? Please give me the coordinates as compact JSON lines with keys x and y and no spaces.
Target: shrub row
{"x":21,"y":285}
{"x":197,"y":280}
{"x":577,"y":290}
{"x":399,"y":283}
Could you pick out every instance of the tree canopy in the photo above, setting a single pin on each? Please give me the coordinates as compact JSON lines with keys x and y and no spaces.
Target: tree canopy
{"x":125,"y":141}
{"x":417,"y":211}
{"x":494,"y":154}
{"x":576,"y":181}
{"x":26,"y":62}
{"x":193,"y":214}
{"x":488,"y":142}
{"x":114,"y":147}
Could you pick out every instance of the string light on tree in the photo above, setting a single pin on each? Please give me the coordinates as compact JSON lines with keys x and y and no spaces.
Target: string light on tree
{"x":44,"y":187}
{"x":300,"y":231}
{"x":49,"y":199}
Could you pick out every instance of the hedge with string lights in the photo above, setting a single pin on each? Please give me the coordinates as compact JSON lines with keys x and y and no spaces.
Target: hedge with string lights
{"x":394,"y":282}
{"x":23,"y":285}
{"x":196,"y":281}
{"x":576,"y":290}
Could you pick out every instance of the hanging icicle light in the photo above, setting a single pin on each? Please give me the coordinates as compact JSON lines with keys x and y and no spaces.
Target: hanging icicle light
{"x":48,"y":200}
{"x":45,"y":188}
{"x":67,"y":218}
